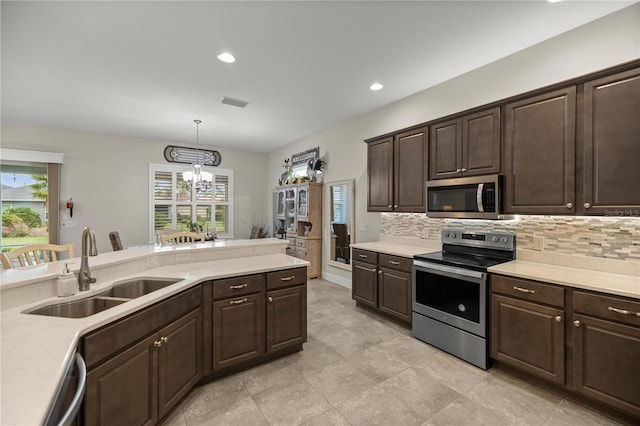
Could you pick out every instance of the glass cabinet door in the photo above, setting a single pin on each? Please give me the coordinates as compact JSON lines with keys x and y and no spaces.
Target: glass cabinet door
{"x":290,"y":210}
{"x":303,"y":205}
{"x":281,"y":204}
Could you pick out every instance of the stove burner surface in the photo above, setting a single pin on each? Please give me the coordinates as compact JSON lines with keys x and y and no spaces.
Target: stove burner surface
{"x":468,"y":261}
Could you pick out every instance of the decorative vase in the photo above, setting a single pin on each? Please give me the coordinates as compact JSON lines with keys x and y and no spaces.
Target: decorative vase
{"x":307,"y":230}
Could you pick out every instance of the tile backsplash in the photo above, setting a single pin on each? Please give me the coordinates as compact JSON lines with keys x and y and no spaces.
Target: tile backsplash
{"x":603,"y":237}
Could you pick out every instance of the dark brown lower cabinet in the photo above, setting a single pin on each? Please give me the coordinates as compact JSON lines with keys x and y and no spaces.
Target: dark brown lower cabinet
{"x":529,"y":336}
{"x":607,"y":356}
{"x":179,"y":360}
{"x":124,"y":390}
{"x":587,"y":343}
{"x":143,"y":383}
{"x":364,"y":283}
{"x":382,"y":282}
{"x":238,"y":330}
{"x":394,"y":293}
{"x":286,"y":318}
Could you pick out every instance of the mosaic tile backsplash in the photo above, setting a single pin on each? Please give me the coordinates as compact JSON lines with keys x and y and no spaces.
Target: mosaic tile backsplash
{"x":604,"y":237}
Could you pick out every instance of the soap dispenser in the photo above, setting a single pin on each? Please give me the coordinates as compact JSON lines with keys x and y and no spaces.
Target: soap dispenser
{"x":67,"y":284}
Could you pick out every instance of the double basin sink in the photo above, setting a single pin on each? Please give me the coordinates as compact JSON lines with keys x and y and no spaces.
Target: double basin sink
{"x":120,"y":293}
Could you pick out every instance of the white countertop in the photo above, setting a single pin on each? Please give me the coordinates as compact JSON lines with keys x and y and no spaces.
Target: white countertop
{"x":36,"y":349}
{"x":606,"y":282}
{"x":394,"y":248}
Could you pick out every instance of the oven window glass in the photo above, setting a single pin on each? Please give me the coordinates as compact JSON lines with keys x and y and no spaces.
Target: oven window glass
{"x":460,"y":198}
{"x":451,"y":295}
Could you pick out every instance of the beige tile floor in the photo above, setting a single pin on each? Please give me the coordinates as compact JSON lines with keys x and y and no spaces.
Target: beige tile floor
{"x":359,"y":369}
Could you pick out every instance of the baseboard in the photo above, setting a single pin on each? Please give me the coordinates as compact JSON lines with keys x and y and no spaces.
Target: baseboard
{"x":344,"y":282}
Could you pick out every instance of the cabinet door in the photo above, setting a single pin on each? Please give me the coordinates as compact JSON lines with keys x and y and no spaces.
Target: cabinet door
{"x":179,"y":360}
{"x":303,"y":203}
{"x":540,"y":154}
{"x":606,"y":362}
{"x":123,"y":390}
{"x":444,"y":149}
{"x":410,"y":167}
{"x":611,"y":147}
{"x":481,"y":143}
{"x":380,"y":174}
{"x":238,"y":330}
{"x":528,"y":336}
{"x":394,"y":293}
{"x":286,"y":318}
{"x":364,"y":283}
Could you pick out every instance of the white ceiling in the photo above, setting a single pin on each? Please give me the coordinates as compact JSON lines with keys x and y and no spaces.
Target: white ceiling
{"x":147,"y":69}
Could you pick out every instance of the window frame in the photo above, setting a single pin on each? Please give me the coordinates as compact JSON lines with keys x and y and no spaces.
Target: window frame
{"x":193,"y":203}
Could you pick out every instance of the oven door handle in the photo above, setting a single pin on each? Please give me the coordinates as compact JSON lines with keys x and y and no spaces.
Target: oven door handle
{"x":449,"y":270}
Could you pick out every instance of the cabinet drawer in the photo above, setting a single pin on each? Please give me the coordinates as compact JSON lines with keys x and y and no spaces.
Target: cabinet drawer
{"x":238,"y":286}
{"x":114,"y":337}
{"x":365,"y":256}
{"x":286,"y":278}
{"x":300,"y":242}
{"x":292,"y":241}
{"x":301,"y":253}
{"x":614,"y":308}
{"x":395,"y":262}
{"x":528,"y":290}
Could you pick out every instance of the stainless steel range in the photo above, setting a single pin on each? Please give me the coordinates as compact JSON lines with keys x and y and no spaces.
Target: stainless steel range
{"x":450,"y":292}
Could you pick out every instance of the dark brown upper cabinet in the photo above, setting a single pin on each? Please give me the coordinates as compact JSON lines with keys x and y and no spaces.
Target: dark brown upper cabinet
{"x":465,"y":146}
{"x":610,"y":147}
{"x":396,"y":168}
{"x":540,"y":145}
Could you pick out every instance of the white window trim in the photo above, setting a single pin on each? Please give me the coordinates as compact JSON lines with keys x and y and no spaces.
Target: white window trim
{"x":31,"y":156}
{"x":153,"y":167}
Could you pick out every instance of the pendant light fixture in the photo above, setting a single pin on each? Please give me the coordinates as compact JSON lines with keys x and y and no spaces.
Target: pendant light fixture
{"x":197,"y":179}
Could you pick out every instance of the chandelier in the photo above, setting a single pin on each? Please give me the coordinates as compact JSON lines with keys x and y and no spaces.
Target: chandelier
{"x":197,"y":179}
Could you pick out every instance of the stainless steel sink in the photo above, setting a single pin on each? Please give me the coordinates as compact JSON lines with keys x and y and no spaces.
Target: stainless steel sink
{"x":138,"y":287}
{"x":120,"y":293}
{"x":78,"y":308}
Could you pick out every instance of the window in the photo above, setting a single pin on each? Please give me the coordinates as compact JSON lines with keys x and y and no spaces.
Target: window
{"x":174,"y":206}
{"x":30,"y":192}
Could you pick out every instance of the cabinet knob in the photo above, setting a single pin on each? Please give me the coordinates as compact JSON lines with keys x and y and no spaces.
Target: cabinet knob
{"x":270,"y":299}
{"x":458,"y":170}
{"x":389,"y":206}
{"x":576,"y":323}
{"x":587,"y":205}
{"x":395,"y":206}
{"x":157,"y":343}
{"x":558,"y":318}
{"x":164,"y":339}
{"x":379,"y":272}
{"x":463,"y":170}
{"x":569,"y":205}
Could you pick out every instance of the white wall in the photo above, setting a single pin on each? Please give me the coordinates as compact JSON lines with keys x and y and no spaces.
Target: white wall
{"x":606,"y":42}
{"x":107,"y":177}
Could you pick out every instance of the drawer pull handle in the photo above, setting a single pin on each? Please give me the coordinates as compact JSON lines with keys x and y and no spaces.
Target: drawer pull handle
{"x":237,"y":302}
{"x":287,"y":278}
{"x":364,"y":256}
{"x":238,"y":286}
{"x":367,"y":269}
{"x":622,"y":311}
{"x":393,"y":262}
{"x":523,"y":290}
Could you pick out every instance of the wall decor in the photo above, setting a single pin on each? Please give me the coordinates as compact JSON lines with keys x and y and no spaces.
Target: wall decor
{"x":181,"y":154}
{"x":304,"y":157}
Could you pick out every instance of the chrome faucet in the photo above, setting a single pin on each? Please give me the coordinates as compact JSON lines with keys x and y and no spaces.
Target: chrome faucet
{"x":84,"y":275}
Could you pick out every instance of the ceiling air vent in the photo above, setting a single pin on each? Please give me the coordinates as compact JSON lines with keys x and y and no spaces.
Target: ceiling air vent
{"x":234,"y":102}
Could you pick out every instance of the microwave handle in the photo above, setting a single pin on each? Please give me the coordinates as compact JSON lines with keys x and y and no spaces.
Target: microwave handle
{"x":479,"y":197}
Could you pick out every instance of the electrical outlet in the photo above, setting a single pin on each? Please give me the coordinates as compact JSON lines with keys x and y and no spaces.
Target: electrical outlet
{"x":538,"y":243}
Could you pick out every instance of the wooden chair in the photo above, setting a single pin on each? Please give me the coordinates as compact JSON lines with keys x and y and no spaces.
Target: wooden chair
{"x":35,"y":254}
{"x":343,"y":239}
{"x":181,"y":238}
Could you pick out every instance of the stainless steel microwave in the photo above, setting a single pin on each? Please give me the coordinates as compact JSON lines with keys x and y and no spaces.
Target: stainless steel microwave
{"x":477,"y":197}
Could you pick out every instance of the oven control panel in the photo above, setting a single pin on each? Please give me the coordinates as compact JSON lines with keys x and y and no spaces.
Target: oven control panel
{"x":495,"y":240}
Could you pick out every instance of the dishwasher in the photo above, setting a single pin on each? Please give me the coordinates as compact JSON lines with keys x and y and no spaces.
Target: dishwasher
{"x":68,"y":399}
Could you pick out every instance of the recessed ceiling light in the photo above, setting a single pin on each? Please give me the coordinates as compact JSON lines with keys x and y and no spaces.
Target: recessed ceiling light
{"x":227,"y":57}
{"x":554,"y":1}
{"x":376,"y":86}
